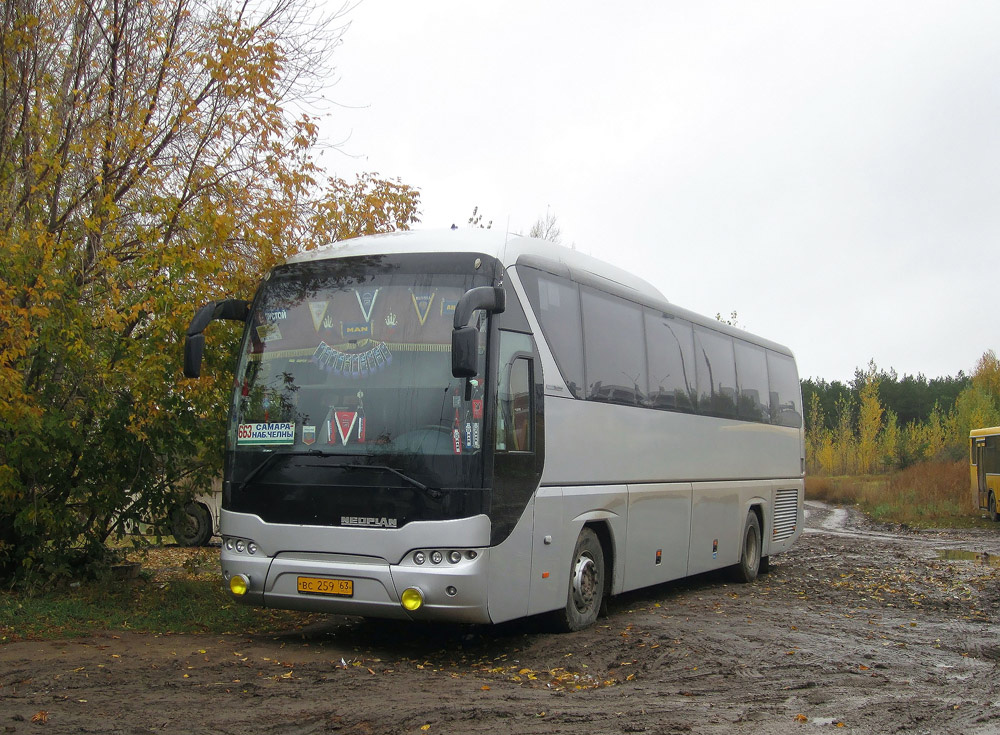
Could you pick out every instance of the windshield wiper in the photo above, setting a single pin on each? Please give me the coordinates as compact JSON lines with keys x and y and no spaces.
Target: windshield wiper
{"x":272,"y":458}
{"x":416,"y":483}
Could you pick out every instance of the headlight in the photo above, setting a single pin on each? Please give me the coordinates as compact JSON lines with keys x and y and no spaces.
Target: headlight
{"x":454,"y":557}
{"x":436,"y":557}
{"x":419,"y":557}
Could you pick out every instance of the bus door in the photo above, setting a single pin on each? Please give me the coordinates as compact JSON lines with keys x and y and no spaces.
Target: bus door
{"x":980,"y":458}
{"x":517,"y":466}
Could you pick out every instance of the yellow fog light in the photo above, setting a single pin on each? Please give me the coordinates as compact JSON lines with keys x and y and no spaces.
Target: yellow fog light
{"x":412,"y":599}
{"x":239,"y":584}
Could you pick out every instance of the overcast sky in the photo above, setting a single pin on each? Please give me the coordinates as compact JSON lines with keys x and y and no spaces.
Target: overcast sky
{"x":829,"y":171}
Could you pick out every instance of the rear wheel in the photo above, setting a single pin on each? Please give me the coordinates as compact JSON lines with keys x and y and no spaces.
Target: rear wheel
{"x":994,"y":516}
{"x":749,"y":565}
{"x":585,"y":592}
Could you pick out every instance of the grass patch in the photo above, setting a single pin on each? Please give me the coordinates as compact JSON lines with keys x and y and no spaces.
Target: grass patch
{"x":177,"y":592}
{"x":926,"y":495}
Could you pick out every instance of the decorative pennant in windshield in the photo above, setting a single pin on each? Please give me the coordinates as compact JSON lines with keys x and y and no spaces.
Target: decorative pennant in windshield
{"x":422,"y":305}
{"x":345,"y":425}
{"x":317,"y":309}
{"x":366,"y":300}
{"x":354,"y":364}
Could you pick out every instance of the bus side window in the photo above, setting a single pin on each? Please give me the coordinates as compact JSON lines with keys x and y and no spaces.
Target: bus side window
{"x":514,"y":417}
{"x":515,"y":412}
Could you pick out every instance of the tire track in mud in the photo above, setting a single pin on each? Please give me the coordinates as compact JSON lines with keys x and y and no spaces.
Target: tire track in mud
{"x":821,"y":518}
{"x":856,"y":624}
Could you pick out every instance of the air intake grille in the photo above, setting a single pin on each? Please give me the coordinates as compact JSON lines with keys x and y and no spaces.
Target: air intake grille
{"x":786,"y":513}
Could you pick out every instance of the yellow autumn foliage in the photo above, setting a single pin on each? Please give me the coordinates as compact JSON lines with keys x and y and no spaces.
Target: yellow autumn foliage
{"x":148,"y":163}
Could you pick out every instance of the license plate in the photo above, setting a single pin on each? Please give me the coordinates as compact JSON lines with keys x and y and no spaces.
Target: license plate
{"x":326,"y":586}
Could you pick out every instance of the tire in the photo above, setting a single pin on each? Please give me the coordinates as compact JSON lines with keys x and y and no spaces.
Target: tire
{"x":191,"y":525}
{"x":750,"y":551}
{"x":992,"y":505}
{"x":585,"y":590}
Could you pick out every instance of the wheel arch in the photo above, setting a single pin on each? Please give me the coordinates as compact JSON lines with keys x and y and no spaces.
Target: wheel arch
{"x":756,"y":506}
{"x":605,"y":535}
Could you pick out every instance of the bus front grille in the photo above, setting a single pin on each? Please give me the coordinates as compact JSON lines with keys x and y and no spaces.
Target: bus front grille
{"x":786,"y":513}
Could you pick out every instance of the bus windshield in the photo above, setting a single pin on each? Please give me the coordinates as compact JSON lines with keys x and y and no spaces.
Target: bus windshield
{"x":351,"y":359}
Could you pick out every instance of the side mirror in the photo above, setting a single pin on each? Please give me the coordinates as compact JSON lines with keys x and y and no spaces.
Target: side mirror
{"x":491,"y":298}
{"x":194,"y":346}
{"x":194,"y":341}
{"x":464,"y":344}
{"x":465,"y":339}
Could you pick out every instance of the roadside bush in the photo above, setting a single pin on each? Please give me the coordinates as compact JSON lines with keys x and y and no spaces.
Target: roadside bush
{"x":925,"y":494}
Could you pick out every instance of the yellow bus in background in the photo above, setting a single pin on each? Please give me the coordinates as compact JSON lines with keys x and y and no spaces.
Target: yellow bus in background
{"x":984,"y":468}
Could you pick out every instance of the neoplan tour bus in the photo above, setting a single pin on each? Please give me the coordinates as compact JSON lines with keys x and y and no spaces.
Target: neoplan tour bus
{"x":472,"y":427}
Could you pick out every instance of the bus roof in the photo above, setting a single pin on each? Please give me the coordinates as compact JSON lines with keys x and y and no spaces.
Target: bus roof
{"x":506,"y":248}
{"x":988,"y":431}
{"x":511,"y":249}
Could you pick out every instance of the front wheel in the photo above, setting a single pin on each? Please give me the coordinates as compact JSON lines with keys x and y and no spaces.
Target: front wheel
{"x":585,"y":593}
{"x":749,"y":565}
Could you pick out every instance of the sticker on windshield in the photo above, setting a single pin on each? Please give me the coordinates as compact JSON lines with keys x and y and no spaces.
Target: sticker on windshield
{"x":268,"y":332}
{"x":266,"y":434}
{"x":391,"y":322}
{"x":355,"y":330}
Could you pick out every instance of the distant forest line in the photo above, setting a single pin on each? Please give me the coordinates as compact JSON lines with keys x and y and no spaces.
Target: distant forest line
{"x":881,"y":421}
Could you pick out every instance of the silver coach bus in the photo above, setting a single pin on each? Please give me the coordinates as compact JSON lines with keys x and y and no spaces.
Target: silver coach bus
{"x":469,"y":427}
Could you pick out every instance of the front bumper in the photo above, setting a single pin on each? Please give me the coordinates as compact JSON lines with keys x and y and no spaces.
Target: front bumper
{"x":451,"y":592}
{"x":380,"y":565}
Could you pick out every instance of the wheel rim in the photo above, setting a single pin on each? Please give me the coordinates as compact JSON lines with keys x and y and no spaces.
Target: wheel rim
{"x":189,"y":524}
{"x":185,"y":525}
{"x":584,"y":582}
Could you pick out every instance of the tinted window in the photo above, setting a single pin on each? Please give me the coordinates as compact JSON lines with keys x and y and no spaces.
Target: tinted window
{"x":614,"y":347}
{"x":513,"y":317}
{"x":751,"y":376}
{"x":670,"y":350}
{"x":514,"y":414}
{"x":786,"y":398}
{"x":716,"y":369}
{"x":557,"y":306}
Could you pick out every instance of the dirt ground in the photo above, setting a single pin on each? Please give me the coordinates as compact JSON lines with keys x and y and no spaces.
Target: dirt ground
{"x":862,"y":628}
